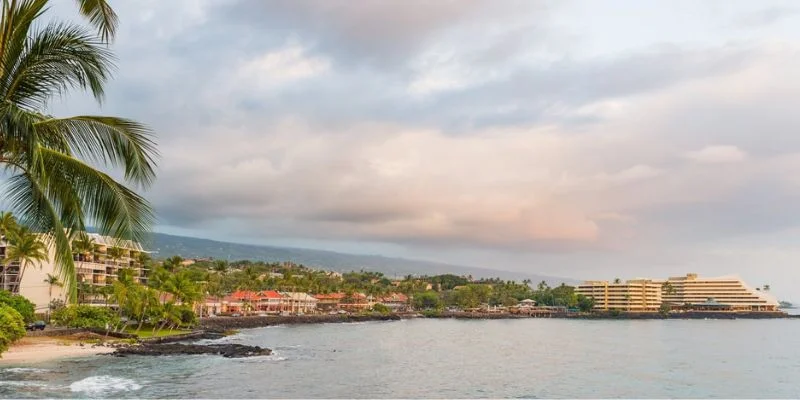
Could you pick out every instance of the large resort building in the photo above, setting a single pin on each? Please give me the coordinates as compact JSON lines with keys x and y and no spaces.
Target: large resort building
{"x":728,"y":293}
{"x":634,"y":295}
{"x":98,"y":267}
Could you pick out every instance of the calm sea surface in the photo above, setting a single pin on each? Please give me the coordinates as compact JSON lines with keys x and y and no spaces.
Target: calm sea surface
{"x":544,"y":358}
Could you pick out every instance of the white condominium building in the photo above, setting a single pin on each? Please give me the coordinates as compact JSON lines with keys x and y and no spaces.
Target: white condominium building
{"x":721,"y":293}
{"x":728,"y":290}
{"x":97,"y":267}
{"x":633,"y":295}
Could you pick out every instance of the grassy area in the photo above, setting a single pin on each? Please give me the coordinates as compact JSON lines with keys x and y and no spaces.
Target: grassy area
{"x":147,"y":332}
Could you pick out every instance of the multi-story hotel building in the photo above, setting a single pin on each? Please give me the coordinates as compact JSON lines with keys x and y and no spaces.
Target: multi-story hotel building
{"x":727,"y":290}
{"x":638,"y":295}
{"x":725,"y":293}
{"x":98,"y":267}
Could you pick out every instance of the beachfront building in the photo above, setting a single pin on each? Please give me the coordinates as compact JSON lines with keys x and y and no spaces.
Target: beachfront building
{"x":98,"y":266}
{"x":329,"y":301}
{"x":298,"y":302}
{"x":356,"y":302}
{"x":396,"y":302}
{"x":728,"y":292}
{"x":638,"y":295}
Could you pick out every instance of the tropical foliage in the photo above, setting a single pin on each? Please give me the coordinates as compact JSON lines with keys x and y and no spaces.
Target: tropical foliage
{"x":56,"y":184}
{"x":12,"y":326}
{"x":20,"y":304}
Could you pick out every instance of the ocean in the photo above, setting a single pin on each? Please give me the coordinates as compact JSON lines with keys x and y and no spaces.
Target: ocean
{"x":421,"y":358}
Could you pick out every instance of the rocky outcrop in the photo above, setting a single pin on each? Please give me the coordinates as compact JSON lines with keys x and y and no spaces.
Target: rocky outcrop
{"x":168,"y":349}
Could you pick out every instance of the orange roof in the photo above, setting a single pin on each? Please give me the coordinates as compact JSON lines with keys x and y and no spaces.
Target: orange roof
{"x":330,"y":296}
{"x":244,"y":295}
{"x":395,"y":298}
{"x":269,"y":294}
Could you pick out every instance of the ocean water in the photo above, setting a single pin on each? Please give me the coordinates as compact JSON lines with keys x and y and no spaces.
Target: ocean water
{"x":531,"y":358}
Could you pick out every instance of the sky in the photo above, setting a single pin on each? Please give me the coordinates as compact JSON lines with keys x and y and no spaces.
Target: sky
{"x":581,"y":139}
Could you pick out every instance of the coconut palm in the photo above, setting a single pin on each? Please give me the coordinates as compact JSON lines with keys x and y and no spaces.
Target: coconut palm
{"x":102,"y":16}
{"x":55,"y":184}
{"x":51,"y":281}
{"x":25,"y":249}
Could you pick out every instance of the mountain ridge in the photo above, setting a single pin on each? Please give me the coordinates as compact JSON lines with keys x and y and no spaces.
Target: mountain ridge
{"x":166,"y":245}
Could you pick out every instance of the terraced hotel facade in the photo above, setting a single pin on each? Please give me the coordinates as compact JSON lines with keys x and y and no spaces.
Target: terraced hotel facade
{"x":728,"y":293}
{"x":98,"y":267}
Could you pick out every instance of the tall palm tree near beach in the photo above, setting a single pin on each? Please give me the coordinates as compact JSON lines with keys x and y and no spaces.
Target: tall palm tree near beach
{"x":51,"y":281}
{"x":55,"y":184}
{"x":24,"y":248}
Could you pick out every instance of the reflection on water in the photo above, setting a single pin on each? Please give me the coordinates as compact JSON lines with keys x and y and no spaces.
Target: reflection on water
{"x":447,"y":358}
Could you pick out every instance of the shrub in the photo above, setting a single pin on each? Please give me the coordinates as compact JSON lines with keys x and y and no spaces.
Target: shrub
{"x":84,"y":316}
{"x":431,"y":313}
{"x":12,"y":326}
{"x":187,"y":315}
{"x":19,"y":303}
{"x":381,"y":308}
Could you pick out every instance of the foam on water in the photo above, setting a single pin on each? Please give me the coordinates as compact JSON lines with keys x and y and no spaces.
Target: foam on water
{"x":104,"y":384}
{"x":22,"y":370}
{"x":22,"y":383}
{"x":260,"y":359}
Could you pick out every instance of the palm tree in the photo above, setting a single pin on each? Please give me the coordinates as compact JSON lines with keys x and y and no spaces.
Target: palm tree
{"x":766,"y":288}
{"x":617,"y":280}
{"x":220,"y":266}
{"x":55,"y":183}
{"x":26,"y":249}
{"x":51,"y":281}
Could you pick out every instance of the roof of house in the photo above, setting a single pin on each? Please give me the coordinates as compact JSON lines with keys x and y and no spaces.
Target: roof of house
{"x":269,"y":294}
{"x":244,"y":295}
{"x":330,"y":296}
{"x":395,"y":298}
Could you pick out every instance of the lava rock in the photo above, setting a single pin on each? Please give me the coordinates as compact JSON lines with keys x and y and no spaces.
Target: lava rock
{"x":167,"y":349}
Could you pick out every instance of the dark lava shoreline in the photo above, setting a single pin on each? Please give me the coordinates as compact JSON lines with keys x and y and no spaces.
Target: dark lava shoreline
{"x":220,"y":324}
{"x":211,"y":328}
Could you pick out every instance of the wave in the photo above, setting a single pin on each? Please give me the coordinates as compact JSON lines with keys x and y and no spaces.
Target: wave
{"x":22,"y":370}
{"x":22,"y":383}
{"x":259,"y":359}
{"x":104,"y":384}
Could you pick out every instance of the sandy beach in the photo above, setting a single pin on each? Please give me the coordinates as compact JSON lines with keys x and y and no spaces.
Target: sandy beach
{"x":38,"y":349}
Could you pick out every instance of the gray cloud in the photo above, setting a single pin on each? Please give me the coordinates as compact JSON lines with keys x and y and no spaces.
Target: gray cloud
{"x":474,"y":132}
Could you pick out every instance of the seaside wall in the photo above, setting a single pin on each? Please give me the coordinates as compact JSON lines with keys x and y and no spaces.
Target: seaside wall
{"x":225,"y":323}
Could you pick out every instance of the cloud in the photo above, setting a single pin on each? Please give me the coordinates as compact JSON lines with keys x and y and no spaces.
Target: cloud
{"x":506,"y":134}
{"x":717,"y":155}
{"x":766,"y":17}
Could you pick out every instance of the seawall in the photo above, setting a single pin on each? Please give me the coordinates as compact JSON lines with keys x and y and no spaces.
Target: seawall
{"x":226,"y":323}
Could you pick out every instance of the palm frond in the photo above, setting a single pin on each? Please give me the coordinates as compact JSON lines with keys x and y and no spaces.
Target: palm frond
{"x":113,"y":208}
{"x":59,"y":57}
{"x":102,"y":16}
{"x":117,"y":142}
{"x":29,"y":199}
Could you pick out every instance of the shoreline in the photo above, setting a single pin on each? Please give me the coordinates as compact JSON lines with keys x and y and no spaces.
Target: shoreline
{"x":220,"y":324}
{"x":37,"y":349}
{"x":34,"y":350}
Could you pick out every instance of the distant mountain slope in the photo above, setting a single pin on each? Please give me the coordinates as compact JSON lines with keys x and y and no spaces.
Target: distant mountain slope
{"x":188,"y":247}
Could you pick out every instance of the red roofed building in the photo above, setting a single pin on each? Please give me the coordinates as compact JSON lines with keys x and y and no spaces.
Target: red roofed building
{"x":329,"y":301}
{"x":395,"y":302}
{"x":269,"y":301}
{"x":356,"y":302}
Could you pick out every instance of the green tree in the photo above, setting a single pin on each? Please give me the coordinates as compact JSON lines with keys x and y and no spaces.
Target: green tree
{"x":12,"y":327}
{"x":22,"y":305}
{"x":585,"y":303}
{"x":427,"y":301}
{"x":55,"y":184}
{"x":24,"y":248}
